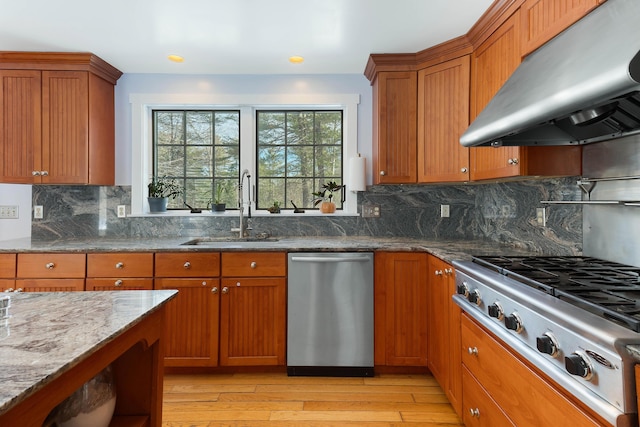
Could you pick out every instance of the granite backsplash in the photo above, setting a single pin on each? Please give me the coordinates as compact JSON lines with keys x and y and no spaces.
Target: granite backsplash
{"x":503,"y":212}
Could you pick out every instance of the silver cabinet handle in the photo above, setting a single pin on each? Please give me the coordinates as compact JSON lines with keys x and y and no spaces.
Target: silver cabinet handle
{"x":44,"y":173}
{"x":204,"y":283}
{"x":8,"y":290}
{"x":225,"y":290}
{"x":438,"y":272}
{"x":214,"y":290}
{"x":120,"y":265}
{"x":473,"y":351}
{"x":382,"y":173}
{"x":187,"y":265}
{"x":512,"y":161}
{"x":118,"y":283}
{"x":463,"y":170}
{"x":35,"y":173}
{"x":49,"y":266}
{"x":254,"y":264}
{"x":448,"y":271}
{"x":19,"y":290}
{"x":475,"y":412}
{"x":328,"y":259}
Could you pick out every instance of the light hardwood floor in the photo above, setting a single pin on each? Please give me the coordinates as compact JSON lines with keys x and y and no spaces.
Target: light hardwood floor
{"x":270,"y":400}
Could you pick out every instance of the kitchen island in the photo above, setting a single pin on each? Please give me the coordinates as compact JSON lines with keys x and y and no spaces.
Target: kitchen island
{"x":52,"y":343}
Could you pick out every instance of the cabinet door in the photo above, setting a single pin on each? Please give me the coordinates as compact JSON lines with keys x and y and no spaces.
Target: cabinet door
{"x":252,"y":321}
{"x":438,"y":322}
{"x":191,"y":333}
{"x":480,"y":410}
{"x":49,"y":285}
{"x":394,"y":127}
{"x":20,"y":125}
{"x":544,"y":19}
{"x":443,"y":115}
{"x":7,"y":266}
{"x":400,"y":309}
{"x":453,"y":390}
{"x":492,"y":64}
{"x":65,"y":130}
{"x":128,"y":284}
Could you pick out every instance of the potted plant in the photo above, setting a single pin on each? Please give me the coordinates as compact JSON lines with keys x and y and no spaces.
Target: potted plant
{"x":324,"y":197}
{"x":218,"y":204}
{"x":160,"y":190}
{"x":275,"y":209}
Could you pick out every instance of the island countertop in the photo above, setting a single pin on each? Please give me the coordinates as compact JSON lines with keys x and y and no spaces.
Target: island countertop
{"x":47,"y":334}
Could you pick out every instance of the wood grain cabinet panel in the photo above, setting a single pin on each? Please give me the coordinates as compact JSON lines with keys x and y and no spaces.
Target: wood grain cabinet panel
{"x":51,"y":265}
{"x":400,"y":304}
{"x":542,"y":20}
{"x":113,"y":284}
{"x":395,"y":127}
{"x":480,"y":410}
{"x":57,"y":118}
{"x":443,"y":328}
{"x":120,"y":265}
{"x":8,"y":266}
{"x":187,"y":264}
{"x":49,"y":285}
{"x":522,"y":394}
{"x":254,"y":264}
{"x":253,"y":321}
{"x":191,"y":333}
{"x":443,"y":115}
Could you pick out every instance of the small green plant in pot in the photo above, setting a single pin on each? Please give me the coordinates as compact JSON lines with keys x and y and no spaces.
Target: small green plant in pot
{"x":275,"y":208}
{"x":324,"y":197}
{"x":218,"y":202}
{"x":160,"y":190}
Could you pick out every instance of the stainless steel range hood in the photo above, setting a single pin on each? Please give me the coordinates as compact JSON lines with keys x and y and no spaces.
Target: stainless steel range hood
{"x":581,"y":87}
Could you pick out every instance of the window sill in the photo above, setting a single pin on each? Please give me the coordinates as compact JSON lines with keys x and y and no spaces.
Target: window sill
{"x":234,"y":214}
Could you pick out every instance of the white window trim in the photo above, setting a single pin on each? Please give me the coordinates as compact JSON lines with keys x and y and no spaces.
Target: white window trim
{"x":142,"y":106}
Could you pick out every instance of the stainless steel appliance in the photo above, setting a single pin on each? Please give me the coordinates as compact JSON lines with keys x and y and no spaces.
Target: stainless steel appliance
{"x":330,"y":314}
{"x":575,"y":318}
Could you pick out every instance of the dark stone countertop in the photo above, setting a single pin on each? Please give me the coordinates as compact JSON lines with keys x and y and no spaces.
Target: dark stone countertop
{"x":448,"y":250}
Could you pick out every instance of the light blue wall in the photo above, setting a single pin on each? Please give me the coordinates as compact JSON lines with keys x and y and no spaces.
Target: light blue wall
{"x":240,"y":85}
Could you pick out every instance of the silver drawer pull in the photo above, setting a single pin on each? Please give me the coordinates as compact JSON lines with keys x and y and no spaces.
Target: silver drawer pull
{"x":473,"y":351}
{"x":254,"y":264}
{"x":187,"y":265}
{"x":475,"y":412}
{"x":49,"y":266}
{"x":118,"y":283}
{"x":225,"y":290}
{"x":214,"y":290}
{"x":120,"y":265}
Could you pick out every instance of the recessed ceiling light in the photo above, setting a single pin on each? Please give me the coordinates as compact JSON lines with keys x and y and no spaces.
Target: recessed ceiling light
{"x":296,"y":59}
{"x":175,"y":58}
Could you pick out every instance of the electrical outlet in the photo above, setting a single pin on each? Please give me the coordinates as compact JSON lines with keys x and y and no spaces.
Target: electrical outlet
{"x":444,"y":211}
{"x":38,"y":212}
{"x":122,"y":211}
{"x":541,"y":216}
{"x":8,"y":212}
{"x":371,"y":211}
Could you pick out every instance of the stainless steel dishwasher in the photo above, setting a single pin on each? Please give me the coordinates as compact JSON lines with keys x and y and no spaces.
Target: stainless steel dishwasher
{"x":330,"y":314}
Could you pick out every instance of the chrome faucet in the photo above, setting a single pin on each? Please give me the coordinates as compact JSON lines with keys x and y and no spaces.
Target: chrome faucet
{"x":242,"y":227}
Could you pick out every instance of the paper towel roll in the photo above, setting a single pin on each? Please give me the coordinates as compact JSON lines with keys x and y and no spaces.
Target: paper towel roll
{"x":357,"y":174}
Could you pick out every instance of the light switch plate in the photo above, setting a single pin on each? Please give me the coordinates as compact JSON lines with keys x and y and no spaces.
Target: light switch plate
{"x":122,"y":211}
{"x":8,"y":212}
{"x":444,"y":211}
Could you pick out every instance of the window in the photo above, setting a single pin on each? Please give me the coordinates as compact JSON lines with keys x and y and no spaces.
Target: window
{"x":201,"y":150}
{"x":297,"y":152}
{"x":202,"y":123}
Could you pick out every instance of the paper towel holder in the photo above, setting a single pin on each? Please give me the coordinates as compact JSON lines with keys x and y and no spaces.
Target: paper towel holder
{"x":357,"y":174}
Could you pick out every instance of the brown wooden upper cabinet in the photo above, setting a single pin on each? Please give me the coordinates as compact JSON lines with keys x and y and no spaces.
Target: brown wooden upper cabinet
{"x":56,"y":118}
{"x":542,"y":20}
{"x":443,"y":115}
{"x":394,"y":127}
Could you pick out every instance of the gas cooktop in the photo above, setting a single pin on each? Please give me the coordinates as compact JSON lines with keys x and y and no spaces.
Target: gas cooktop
{"x":608,"y":289}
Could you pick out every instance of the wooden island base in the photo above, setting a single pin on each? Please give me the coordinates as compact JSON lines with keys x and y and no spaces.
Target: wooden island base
{"x":136,"y":356}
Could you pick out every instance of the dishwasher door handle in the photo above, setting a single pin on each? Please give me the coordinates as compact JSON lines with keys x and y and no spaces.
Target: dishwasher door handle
{"x":329,"y":259}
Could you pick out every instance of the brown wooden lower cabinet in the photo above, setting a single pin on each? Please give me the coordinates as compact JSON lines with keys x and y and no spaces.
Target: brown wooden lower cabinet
{"x":480,"y":409}
{"x":524,"y":396}
{"x":253,"y":321}
{"x":49,"y":285}
{"x":116,"y":284}
{"x":191,"y":331}
{"x":400,"y":309}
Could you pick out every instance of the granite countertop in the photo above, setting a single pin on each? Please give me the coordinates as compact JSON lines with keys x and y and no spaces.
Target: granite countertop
{"x":49,"y":333}
{"x":448,"y":250}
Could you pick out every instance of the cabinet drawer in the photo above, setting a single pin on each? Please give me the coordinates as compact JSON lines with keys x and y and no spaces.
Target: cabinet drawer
{"x":8,"y":266}
{"x":254,"y":264}
{"x":119,"y":284}
{"x":187,"y":264}
{"x":51,"y":265}
{"x":120,"y":265}
{"x":7,"y":285}
{"x":479,"y":409}
{"x":511,"y":384}
{"x":49,"y":285}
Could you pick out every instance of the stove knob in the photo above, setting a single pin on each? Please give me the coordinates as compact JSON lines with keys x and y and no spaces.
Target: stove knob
{"x":463,"y":289}
{"x":513,"y":322}
{"x":547,"y":344}
{"x":578,"y":364}
{"x":474,"y":297}
{"x":495,"y":310}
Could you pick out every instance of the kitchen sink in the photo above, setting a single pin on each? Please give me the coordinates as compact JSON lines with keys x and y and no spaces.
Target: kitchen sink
{"x":217,"y":240}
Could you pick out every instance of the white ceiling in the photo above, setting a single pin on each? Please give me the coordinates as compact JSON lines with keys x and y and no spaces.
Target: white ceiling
{"x":235,"y":36}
